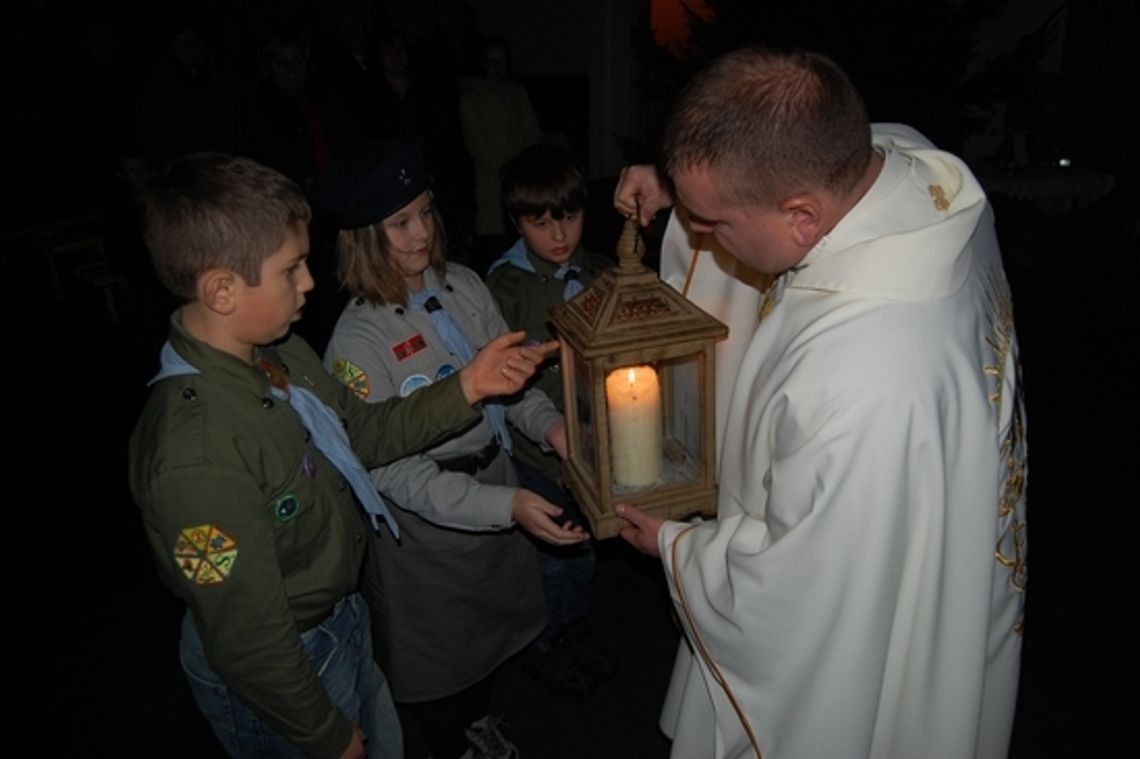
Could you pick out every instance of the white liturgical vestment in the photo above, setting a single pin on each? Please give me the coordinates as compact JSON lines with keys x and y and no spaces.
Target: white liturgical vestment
{"x":861,"y":592}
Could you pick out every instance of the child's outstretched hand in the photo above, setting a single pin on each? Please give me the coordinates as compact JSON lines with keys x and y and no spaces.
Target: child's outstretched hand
{"x":536,"y":515}
{"x":503,"y":366}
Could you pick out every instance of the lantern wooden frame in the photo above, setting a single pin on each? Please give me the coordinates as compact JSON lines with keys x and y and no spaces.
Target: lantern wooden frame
{"x":629,"y":317}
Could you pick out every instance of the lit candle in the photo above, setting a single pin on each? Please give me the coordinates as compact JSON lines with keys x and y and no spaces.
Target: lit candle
{"x":634,"y":400}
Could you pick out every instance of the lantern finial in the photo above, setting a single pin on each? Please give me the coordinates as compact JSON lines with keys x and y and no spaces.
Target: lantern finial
{"x":629,"y":247}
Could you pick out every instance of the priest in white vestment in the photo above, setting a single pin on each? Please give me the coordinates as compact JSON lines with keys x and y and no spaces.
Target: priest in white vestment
{"x":860,"y":593}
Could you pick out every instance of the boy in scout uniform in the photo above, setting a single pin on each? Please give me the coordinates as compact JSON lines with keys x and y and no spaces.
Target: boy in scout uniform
{"x":244,"y":464}
{"x":544,"y":191}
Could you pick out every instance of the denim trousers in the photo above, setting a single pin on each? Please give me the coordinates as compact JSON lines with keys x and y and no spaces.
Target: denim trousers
{"x":567,"y":571}
{"x":341,"y":651}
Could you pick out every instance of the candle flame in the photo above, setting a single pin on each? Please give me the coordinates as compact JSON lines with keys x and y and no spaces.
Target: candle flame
{"x":632,"y":376}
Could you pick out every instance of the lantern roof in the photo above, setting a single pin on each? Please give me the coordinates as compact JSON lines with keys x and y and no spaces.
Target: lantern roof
{"x":628,"y":306}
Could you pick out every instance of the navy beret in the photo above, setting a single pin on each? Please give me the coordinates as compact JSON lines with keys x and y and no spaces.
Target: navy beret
{"x":369,"y":182}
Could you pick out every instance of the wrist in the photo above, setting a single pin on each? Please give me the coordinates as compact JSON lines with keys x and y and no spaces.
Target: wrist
{"x":467,"y":384}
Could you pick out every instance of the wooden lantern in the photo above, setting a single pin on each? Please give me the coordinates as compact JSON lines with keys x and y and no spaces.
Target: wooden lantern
{"x":638,"y":383}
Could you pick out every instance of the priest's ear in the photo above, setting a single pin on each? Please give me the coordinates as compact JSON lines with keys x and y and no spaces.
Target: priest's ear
{"x":218,"y":290}
{"x":805,"y":216}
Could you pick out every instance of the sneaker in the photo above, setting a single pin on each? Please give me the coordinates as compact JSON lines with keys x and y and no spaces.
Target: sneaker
{"x":488,"y":741}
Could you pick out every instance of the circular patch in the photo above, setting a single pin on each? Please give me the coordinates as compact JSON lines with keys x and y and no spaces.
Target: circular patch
{"x":286,"y":508}
{"x":413,"y":383}
{"x":444,"y":371}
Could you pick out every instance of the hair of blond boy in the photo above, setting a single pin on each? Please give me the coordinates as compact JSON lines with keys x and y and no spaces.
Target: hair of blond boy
{"x":211,"y":211}
{"x":365,"y":266}
{"x":770,"y":125}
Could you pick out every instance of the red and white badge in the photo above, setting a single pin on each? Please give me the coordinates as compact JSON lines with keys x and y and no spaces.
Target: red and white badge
{"x":409,"y":347}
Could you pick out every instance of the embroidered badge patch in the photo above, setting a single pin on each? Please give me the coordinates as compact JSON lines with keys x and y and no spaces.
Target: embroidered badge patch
{"x":938,"y":195}
{"x":205,"y":554}
{"x":409,"y":347}
{"x":351,"y":376}
{"x":413,"y":383}
{"x":444,"y":371}
{"x":286,"y":508}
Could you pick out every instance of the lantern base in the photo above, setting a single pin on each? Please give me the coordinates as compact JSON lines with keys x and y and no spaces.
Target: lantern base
{"x":604,"y":523}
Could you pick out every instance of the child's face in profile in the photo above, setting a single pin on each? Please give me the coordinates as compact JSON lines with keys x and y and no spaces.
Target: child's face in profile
{"x":552,"y":239}
{"x":270,"y":307}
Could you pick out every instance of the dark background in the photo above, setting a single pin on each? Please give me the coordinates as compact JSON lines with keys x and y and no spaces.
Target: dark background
{"x":84,"y":325}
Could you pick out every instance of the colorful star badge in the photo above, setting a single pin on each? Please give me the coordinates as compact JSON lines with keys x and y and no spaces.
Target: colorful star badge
{"x":351,"y":376}
{"x":205,"y":554}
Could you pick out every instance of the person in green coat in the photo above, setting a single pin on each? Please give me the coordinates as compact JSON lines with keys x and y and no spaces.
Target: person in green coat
{"x":246,"y":459}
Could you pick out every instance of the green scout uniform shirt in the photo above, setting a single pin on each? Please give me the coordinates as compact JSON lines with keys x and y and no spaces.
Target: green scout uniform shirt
{"x":525,"y":298}
{"x":254,"y":528}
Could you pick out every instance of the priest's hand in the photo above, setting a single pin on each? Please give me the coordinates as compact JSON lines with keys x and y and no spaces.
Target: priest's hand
{"x":642,"y":535}
{"x":503,"y":366}
{"x":537,"y":516}
{"x":642,"y":191}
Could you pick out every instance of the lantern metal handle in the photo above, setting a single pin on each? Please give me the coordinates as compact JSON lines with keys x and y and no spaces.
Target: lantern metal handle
{"x":629,"y":247}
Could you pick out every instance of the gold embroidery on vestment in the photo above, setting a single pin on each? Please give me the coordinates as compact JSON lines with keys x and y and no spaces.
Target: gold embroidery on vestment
{"x":938,"y":195}
{"x":1011,"y":549}
{"x":768,"y":301}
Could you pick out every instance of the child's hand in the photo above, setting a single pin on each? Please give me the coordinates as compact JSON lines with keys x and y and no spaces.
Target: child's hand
{"x":502,"y":367}
{"x":536,"y":515}
{"x":355,"y":748}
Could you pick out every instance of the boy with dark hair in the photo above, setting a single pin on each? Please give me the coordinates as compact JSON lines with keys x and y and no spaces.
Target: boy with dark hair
{"x":242,"y":460}
{"x":544,"y":192}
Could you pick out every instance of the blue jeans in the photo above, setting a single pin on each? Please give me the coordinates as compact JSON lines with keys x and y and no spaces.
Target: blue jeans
{"x":567,"y":571}
{"x":341,"y":651}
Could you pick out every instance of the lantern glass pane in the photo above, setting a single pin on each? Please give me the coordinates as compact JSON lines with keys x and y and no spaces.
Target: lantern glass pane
{"x":683,"y":451}
{"x":683,"y":401}
{"x":583,"y":386}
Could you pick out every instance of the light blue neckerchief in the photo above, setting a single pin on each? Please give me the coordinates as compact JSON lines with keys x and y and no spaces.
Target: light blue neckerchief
{"x":324,"y":426}
{"x":517,"y":257}
{"x":457,"y":342}
{"x":170,"y":364}
{"x":573,"y":283}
